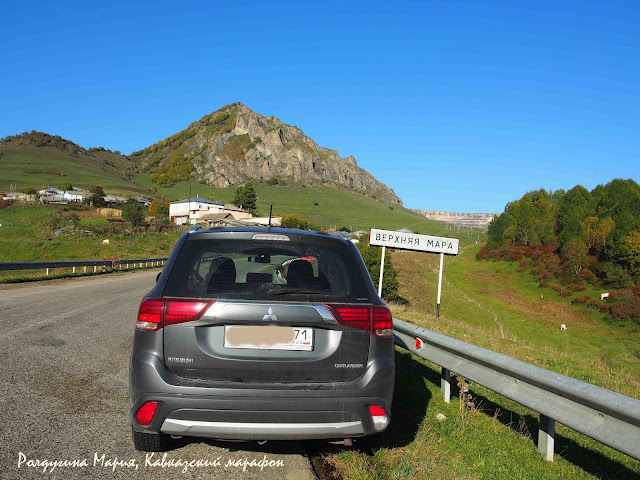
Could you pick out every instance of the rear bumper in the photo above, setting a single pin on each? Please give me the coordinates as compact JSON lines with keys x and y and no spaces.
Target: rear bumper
{"x":259,"y":431}
{"x":259,"y":412}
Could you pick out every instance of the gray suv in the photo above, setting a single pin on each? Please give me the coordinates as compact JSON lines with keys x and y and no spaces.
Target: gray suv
{"x":261,"y":334}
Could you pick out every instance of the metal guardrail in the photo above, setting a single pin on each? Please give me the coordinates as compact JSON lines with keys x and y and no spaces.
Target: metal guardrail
{"x":5,"y":266}
{"x":606,"y":416}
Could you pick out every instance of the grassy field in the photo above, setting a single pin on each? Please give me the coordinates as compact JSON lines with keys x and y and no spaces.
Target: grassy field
{"x":492,"y":305}
{"x":25,"y":235}
{"x":30,"y":166}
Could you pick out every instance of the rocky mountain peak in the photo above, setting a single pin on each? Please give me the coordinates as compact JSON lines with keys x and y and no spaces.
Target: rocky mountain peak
{"x":235,"y":144}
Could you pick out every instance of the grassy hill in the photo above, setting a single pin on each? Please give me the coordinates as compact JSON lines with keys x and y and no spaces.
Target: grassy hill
{"x":38,"y":159}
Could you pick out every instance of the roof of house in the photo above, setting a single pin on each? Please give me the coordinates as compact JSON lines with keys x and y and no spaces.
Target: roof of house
{"x":198,"y":200}
{"x":215,"y":217}
{"x":233,"y":208}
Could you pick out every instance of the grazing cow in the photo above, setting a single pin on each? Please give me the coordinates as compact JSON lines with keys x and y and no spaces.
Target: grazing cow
{"x":563,"y":327}
{"x":604,"y":295}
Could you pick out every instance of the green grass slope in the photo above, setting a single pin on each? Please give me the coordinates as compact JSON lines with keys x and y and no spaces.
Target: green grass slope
{"x":39,"y":159}
{"x":492,"y":305}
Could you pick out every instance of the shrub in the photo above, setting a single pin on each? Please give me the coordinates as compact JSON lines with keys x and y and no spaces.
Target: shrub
{"x":134,"y":212}
{"x":523,"y":265}
{"x":582,"y":300}
{"x":485,"y":254}
{"x":562,"y":291}
{"x":626,"y":309}
{"x":291,"y":221}
{"x":593,"y":303}
{"x":577,"y":288}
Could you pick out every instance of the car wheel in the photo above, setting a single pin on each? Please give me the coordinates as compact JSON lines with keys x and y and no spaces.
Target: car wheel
{"x":149,"y":442}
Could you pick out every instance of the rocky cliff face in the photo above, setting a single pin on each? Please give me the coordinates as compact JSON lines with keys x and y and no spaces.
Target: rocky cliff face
{"x":235,"y":144}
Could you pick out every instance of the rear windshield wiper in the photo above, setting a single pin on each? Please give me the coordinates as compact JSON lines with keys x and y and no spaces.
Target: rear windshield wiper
{"x":300,"y":291}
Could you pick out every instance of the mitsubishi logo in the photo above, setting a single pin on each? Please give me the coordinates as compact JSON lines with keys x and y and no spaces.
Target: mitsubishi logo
{"x":270,"y":316}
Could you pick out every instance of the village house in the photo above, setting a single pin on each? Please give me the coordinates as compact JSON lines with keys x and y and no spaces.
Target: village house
{"x":191,"y":211}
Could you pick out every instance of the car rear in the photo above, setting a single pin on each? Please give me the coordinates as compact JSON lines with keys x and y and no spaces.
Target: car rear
{"x":262,"y":334}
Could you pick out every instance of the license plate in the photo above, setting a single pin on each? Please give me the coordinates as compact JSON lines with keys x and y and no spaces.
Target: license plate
{"x":268,"y":337}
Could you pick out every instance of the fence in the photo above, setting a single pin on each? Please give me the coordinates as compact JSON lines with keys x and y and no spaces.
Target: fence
{"x":608,"y":417}
{"x":105,"y":264}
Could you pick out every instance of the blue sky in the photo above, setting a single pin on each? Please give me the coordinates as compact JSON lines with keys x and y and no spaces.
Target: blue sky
{"x":458,"y":106}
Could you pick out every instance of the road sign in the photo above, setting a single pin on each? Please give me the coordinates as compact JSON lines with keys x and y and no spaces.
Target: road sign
{"x":413,"y":241}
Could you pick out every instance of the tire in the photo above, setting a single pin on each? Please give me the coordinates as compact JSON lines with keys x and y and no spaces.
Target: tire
{"x":149,"y":442}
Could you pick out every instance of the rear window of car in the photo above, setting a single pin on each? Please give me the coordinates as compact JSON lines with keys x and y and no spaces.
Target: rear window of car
{"x":268,"y":270}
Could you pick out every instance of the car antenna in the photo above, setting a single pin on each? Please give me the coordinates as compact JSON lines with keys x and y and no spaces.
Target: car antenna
{"x":270,"y":211}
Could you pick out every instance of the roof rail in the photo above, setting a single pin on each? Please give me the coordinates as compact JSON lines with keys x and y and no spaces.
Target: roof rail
{"x":193,"y":228}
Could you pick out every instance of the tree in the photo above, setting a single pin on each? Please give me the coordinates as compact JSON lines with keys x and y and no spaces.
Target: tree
{"x":605,"y":227}
{"x":245,"y":197}
{"x":95,"y":200}
{"x":631,"y":252}
{"x":497,"y":227}
{"x":97,"y":190}
{"x":153,"y":207}
{"x":161,"y":216}
{"x":575,"y":253}
{"x":134,"y":212}
{"x":29,"y":190}
{"x":371,"y":256}
{"x":574,"y":207}
{"x":291,"y":221}
{"x":65,"y":186}
{"x":590,"y":226}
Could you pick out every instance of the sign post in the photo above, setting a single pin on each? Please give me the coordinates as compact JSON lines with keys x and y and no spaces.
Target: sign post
{"x":384,"y":250}
{"x":439,"y":285}
{"x":416,"y":242}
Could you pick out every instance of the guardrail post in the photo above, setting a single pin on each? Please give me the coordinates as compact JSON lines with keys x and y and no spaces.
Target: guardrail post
{"x":546,"y":436}
{"x":85,"y":269}
{"x":47,"y":271}
{"x":445,"y":384}
{"x":74,"y":270}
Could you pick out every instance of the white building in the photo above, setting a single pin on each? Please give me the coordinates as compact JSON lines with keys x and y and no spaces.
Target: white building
{"x":191,"y":210}
{"x":51,"y":192}
{"x":73,"y":195}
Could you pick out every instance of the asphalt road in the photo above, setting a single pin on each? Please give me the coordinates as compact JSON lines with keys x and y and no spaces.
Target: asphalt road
{"x":64,"y":353}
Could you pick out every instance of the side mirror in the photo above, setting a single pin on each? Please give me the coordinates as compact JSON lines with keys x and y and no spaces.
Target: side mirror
{"x":158,"y":276}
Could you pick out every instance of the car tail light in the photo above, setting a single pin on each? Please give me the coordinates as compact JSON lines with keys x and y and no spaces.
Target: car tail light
{"x":155,"y":313}
{"x":146,"y":412}
{"x":379,"y":417}
{"x":382,"y":321}
{"x":374,"y":319}
{"x":180,"y":311}
{"x":149,"y":315}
